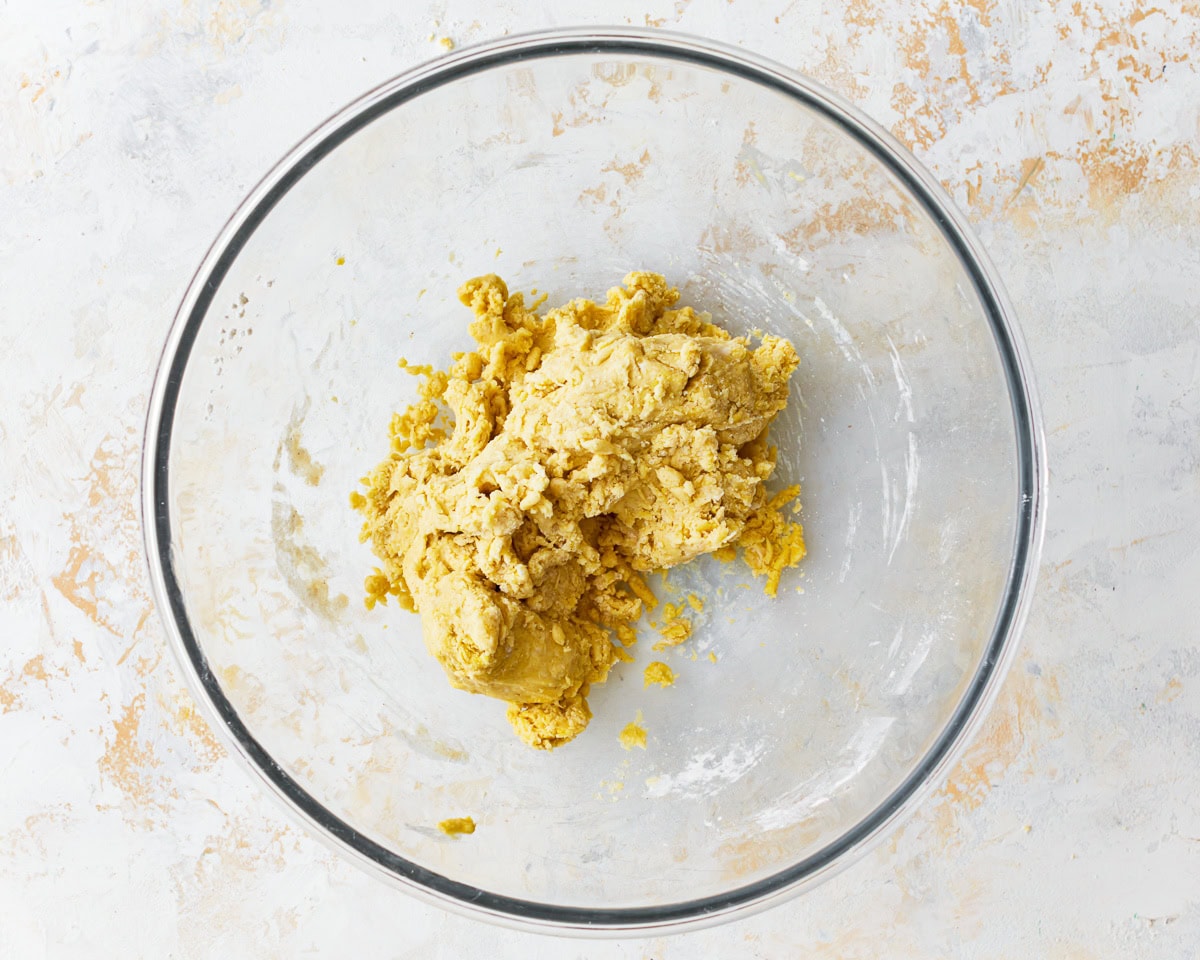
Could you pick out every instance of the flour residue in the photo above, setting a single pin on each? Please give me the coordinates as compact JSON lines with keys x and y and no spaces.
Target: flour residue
{"x":903,"y":386}
{"x":907,"y":660}
{"x":912,"y":468}
{"x":801,"y":801}
{"x":707,"y":771}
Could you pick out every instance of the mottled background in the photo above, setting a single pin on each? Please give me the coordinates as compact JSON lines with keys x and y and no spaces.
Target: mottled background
{"x":1068,"y":131}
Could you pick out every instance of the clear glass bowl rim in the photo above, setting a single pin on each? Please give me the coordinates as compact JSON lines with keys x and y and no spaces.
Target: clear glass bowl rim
{"x":464,"y":898}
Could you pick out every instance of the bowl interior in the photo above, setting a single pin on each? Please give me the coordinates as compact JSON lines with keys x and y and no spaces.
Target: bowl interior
{"x":562,"y":173}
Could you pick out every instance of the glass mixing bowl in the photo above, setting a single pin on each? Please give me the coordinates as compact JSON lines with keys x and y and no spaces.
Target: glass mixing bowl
{"x":561,"y":161}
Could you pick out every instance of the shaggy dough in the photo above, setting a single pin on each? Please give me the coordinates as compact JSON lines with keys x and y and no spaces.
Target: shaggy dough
{"x":543,"y":473}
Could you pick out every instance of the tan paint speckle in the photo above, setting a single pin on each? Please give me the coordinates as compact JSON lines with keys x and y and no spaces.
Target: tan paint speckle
{"x":127,"y":760}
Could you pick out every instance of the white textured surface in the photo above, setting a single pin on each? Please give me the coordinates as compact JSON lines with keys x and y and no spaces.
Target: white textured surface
{"x":1069,"y":133}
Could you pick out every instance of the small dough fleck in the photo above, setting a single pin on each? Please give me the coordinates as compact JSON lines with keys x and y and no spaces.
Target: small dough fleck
{"x":674,"y":628}
{"x":634,"y":734}
{"x":539,"y":479}
{"x":658,"y":672}
{"x":456,"y":826}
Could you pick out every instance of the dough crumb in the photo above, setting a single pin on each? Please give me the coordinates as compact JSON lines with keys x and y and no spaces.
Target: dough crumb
{"x":658,"y":672}
{"x":712,"y":656}
{"x":674,"y":628}
{"x":539,"y":479}
{"x":456,"y":826}
{"x":634,"y":734}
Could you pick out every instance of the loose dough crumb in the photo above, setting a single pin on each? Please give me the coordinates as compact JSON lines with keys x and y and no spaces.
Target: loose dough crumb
{"x":457,"y":825}
{"x":540,"y":477}
{"x":658,"y":672}
{"x":634,"y":734}
{"x":675,"y":628}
